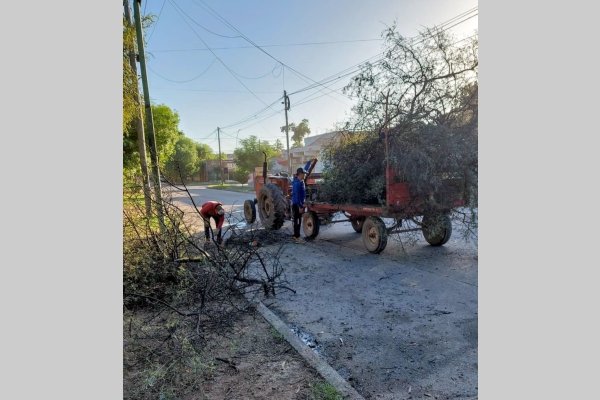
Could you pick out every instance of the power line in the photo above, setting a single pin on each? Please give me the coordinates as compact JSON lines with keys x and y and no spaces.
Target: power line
{"x":216,"y":90}
{"x":262,"y":119}
{"x":254,"y":115}
{"x":304,"y":101}
{"x":206,"y":137}
{"x":460,"y":22}
{"x":344,"y":73}
{"x":269,"y":45}
{"x":476,"y":8}
{"x":186,"y":80}
{"x":307,"y":99}
{"x":183,"y":15}
{"x":227,"y":23}
{"x":157,"y":19}
{"x":270,"y":72}
{"x":350,"y":70}
{"x":330,"y":79}
{"x":260,"y":76}
{"x":214,"y":33}
{"x":226,"y":134}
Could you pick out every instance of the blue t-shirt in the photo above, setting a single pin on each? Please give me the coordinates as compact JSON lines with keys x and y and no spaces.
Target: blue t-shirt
{"x":298,"y":193}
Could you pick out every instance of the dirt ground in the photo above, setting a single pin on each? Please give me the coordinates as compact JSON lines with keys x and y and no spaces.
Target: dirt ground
{"x":246,"y":360}
{"x":261,"y":365}
{"x":250,"y":360}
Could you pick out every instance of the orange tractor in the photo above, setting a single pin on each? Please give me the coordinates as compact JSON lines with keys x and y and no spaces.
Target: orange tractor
{"x":273,"y":194}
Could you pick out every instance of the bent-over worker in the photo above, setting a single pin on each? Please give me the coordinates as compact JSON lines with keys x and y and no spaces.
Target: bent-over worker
{"x":214,"y":210}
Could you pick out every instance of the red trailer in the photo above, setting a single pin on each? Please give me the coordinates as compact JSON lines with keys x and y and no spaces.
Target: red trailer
{"x":399,"y":205}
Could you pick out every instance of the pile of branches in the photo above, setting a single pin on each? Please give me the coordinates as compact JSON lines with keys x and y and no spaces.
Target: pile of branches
{"x":178,"y":290}
{"x":421,"y":99}
{"x":353,"y":170}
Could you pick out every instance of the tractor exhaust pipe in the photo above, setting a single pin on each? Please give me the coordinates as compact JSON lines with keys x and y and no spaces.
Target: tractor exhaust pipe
{"x":265,"y":169}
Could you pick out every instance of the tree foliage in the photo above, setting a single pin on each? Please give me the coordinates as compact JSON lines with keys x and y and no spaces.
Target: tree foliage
{"x":361,"y":181}
{"x":423,"y":97}
{"x":299,"y":132}
{"x":250,"y":154}
{"x":184,"y":161}
{"x":166,"y":131}
{"x":204,"y":152}
{"x":418,"y":80}
{"x":130,"y":106}
{"x":279,"y":146}
{"x":240,"y":175}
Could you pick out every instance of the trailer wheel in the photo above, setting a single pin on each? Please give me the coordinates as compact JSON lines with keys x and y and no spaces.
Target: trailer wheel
{"x":310,"y":224}
{"x":249,"y":211}
{"x":271,"y":206}
{"x":374,"y":234}
{"x":357,"y":224}
{"x":437,"y":229}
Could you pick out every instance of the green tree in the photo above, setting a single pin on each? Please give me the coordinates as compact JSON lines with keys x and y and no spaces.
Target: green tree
{"x":130,"y":107}
{"x":241,"y":175}
{"x":131,"y":157}
{"x":131,"y":161}
{"x":421,"y":100}
{"x":184,"y":161}
{"x":167,"y":133}
{"x":279,"y":146}
{"x":205,"y":152}
{"x":250,"y":154}
{"x":299,"y":132}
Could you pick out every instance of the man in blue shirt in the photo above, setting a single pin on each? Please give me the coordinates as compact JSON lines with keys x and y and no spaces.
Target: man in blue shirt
{"x":298,"y":196}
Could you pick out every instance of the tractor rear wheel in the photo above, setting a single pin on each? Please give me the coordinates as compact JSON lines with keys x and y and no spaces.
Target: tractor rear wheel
{"x":357,"y":224}
{"x":249,"y":211}
{"x":374,"y":235}
{"x":437,"y":229}
{"x":310,"y":224}
{"x":271,"y":206}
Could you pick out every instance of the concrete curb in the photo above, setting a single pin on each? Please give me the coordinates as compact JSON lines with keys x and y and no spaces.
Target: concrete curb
{"x":313,"y":359}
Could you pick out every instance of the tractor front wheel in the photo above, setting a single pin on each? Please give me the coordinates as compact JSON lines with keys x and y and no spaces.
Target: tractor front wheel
{"x":249,"y":211}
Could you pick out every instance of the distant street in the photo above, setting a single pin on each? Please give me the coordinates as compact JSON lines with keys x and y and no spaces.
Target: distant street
{"x":201,"y":194}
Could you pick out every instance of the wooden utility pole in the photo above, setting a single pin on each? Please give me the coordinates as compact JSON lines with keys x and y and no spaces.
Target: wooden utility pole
{"x":149,"y":118}
{"x":220,"y":159}
{"x":139,"y":121}
{"x":286,"y":104}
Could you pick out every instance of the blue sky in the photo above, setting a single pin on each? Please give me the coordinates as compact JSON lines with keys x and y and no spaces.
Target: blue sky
{"x":236,"y":80}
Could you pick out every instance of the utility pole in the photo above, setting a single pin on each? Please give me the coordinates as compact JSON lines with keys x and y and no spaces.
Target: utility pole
{"x":220,"y":159}
{"x":149,"y":118}
{"x":139,"y":122}
{"x":286,"y":103}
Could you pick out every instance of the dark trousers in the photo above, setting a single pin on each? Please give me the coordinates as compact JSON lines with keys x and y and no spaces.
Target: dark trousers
{"x":297,"y":219}
{"x":207,"y":227}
